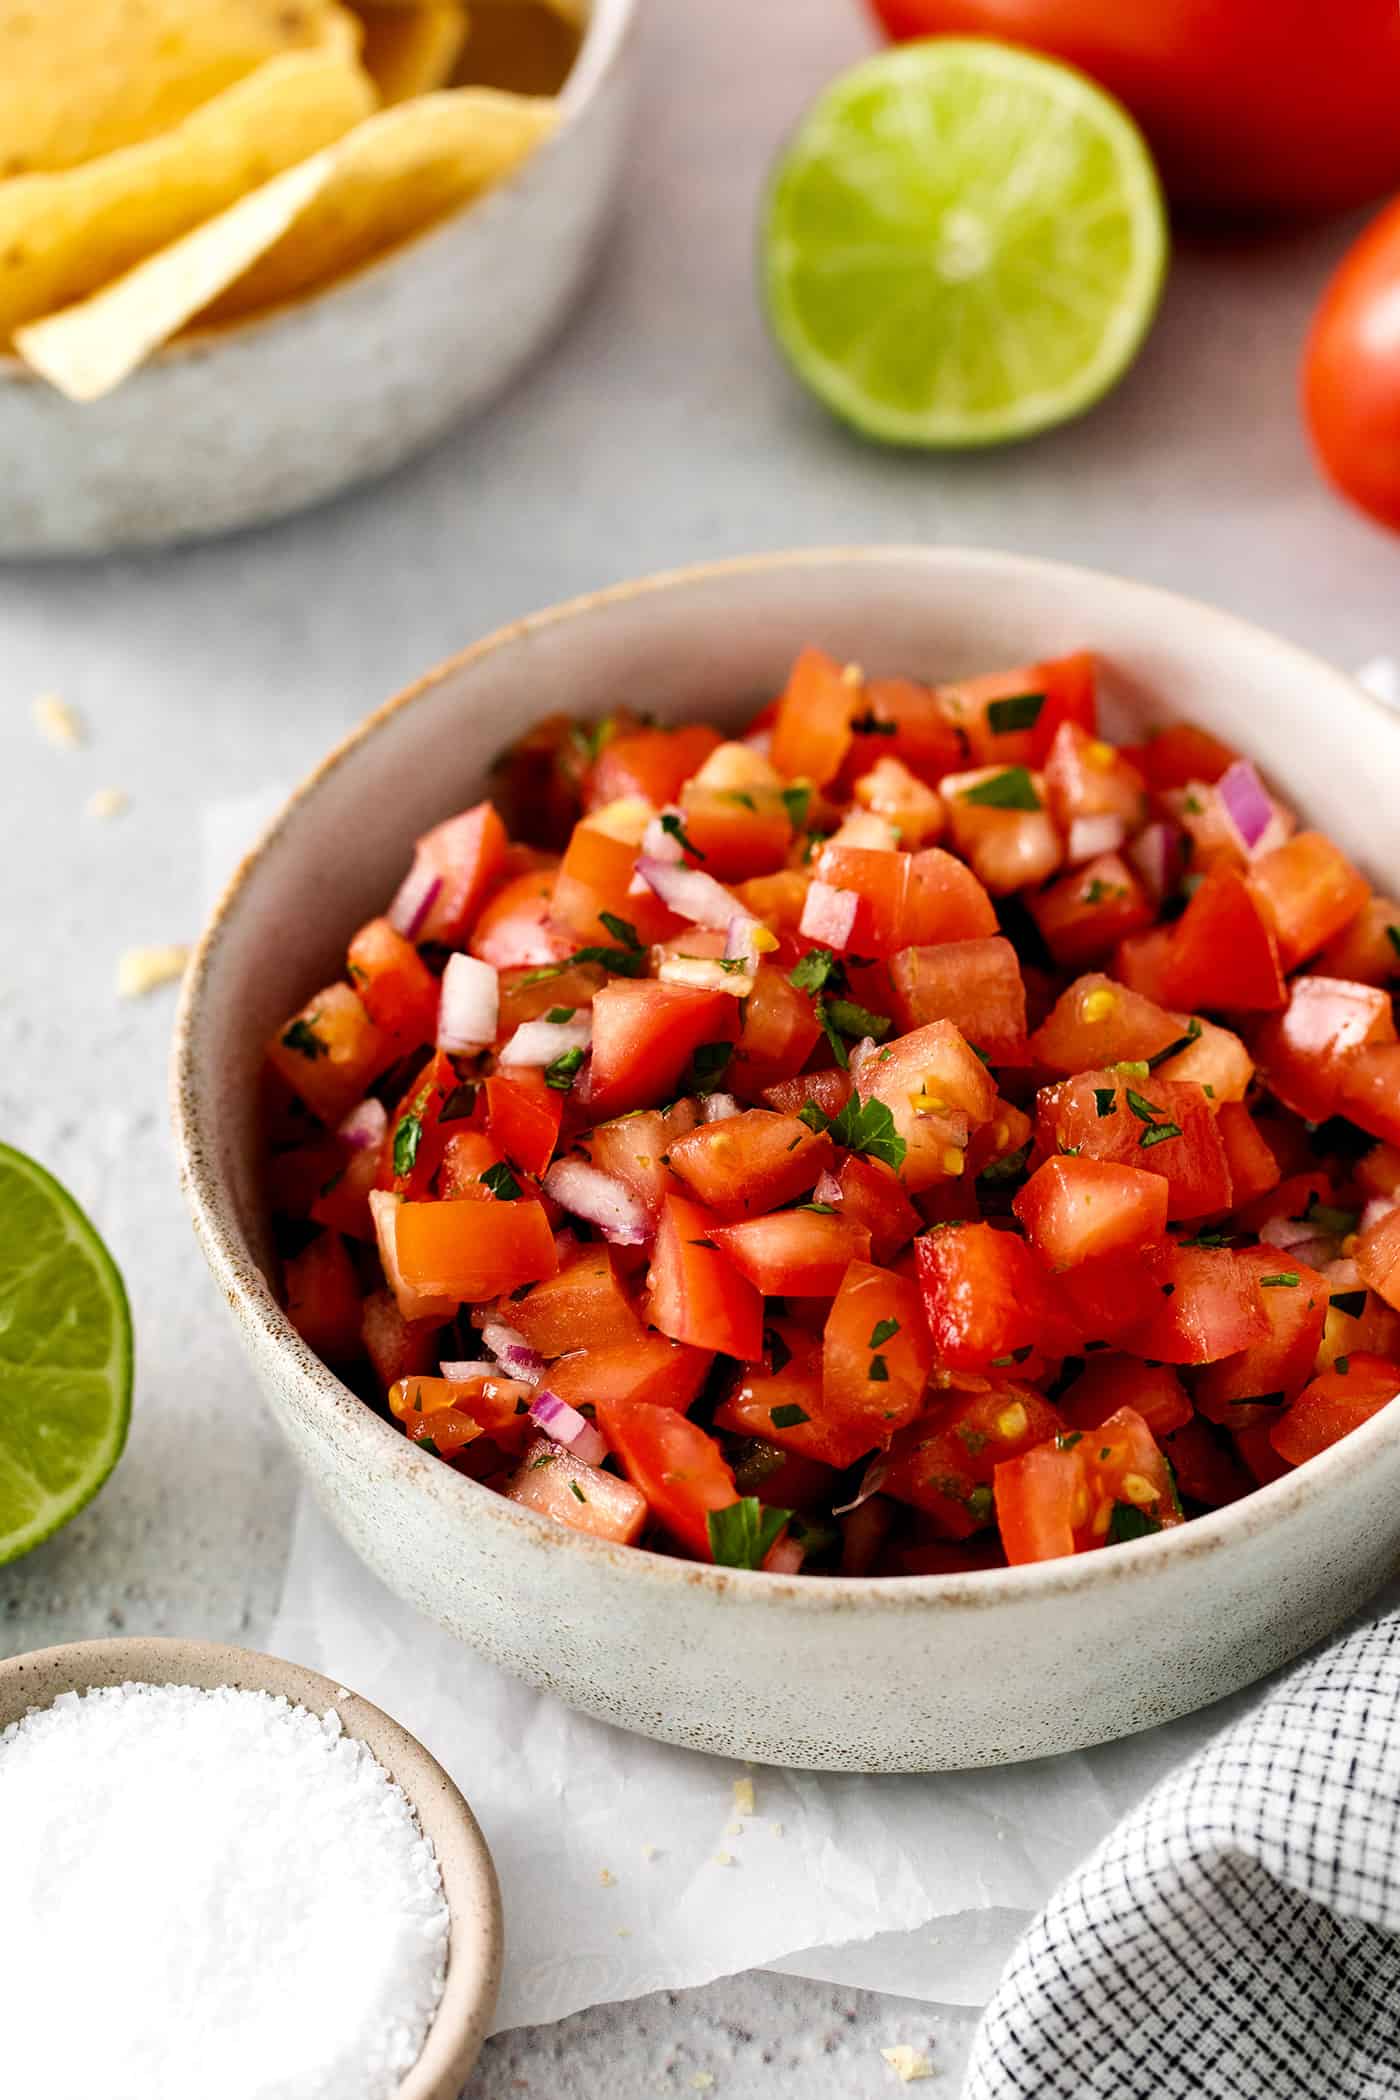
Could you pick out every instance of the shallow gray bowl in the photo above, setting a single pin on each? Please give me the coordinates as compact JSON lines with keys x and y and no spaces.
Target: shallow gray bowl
{"x":245,"y":424}
{"x":468,"y":1877}
{"x":895,"y":1674}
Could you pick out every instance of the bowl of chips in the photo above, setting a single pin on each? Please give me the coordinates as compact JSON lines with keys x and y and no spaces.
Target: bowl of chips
{"x":255,"y":251}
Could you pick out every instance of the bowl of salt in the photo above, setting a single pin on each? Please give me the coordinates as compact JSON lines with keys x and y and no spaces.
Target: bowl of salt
{"x":225,"y":1875}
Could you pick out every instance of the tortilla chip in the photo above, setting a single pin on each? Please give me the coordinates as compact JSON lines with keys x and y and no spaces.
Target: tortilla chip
{"x":64,"y":234}
{"x":411,"y":51}
{"x":388,"y":179}
{"x":79,"y":78}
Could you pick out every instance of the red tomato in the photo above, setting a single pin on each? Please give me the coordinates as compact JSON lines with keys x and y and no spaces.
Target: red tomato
{"x":329,"y":1052}
{"x":977,"y":985}
{"x":1181,"y":753}
{"x":467,"y":1156}
{"x":523,"y":1115}
{"x":779,"y":1033}
{"x":1238,"y":1391}
{"x":812,"y":732}
{"x":652,"y":763}
{"x":1311,"y":890}
{"x":396,"y":1347}
{"x":945,"y":1463}
{"x":322,"y":1297}
{"x":936,"y":1089}
{"x":1105,"y":1115}
{"x":413,"y":1147}
{"x":469,"y":1251}
{"x":595,"y":876}
{"x":514,"y":931}
{"x":498,"y":1407}
{"x":1378,"y":1258}
{"x":1206,"y":1468}
{"x":1001,"y":827}
{"x":1254,"y":105}
{"x":1084,"y":915}
{"x":1303,"y":1054}
{"x":1097,"y":1023}
{"x":794,"y":1396}
{"x":1075,"y":1209}
{"x":463,"y":857}
{"x":1351,"y":373}
{"x":1222,"y":952}
{"x":1125,"y":1476}
{"x":1252,"y":1166}
{"x":635,"y":1149}
{"x":985,"y":1296}
{"x":999,"y":716}
{"x":1085,"y":777}
{"x":794,"y":1253}
{"x":943,"y":901}
{"x":674,"y":1463}
{"x":1370,"y":1091}
{"x":552,"y":1481}
{"x":645,"y":1035}
{"x":871,"y":1193}
{"x":738,"y":833}
{"x":1210,"y":1307}
{"x":1037,"y":1498}
{"x":696,"y":1295}
{"x":745,"y":1164}
{"x":1367,"y":950}
{"x":924,"y":739}
{"x":399,"y":991}
{"x":1109,"y":1382}
{"x":582,"y":1306}
{"x":876,"y":1354}
{"x":653,"y":1368}
{"x":1336,"y":1402}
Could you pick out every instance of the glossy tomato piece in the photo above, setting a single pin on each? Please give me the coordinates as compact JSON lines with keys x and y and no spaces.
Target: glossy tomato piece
{"x":1010,"y":718}
{"x":645,"y":1036}
{"x":1084,"y":915}
{"x":937,"y":1091}
{"x":695,"y":1294}
{"x":467,"y":1157}
{"x":1237,"y":1391}
{"x":1210,"y":1306}
{"x":907,"y":721}
{"x":635,"y":1150}
{"x":779,"y":1032}
{"x":1252,"y":1166}
{"x":999,"y":824}
{"x":784,"y":1408}
{"x":1206,"y":1464}
{"x":1182,"y":753}
{"x":676,"y":1466}
{"x":985,"y":1296}
{"x":1378,"y":1257}
{"x":498,"y":1407}
{"x":322,"y":1297}
{"x":737,"y":832}
{"x":876,"y":1354}
{"x":977,"y":985}
{"x":1335,"y":1403}
{"x":1370,"y":1091}
{"x":1311,"y":891}
{"x":829,"y":1090}
{"x":462,"y":857}
{"x":873,"y":1195}
{"x":595,"y":876}
{"x":1104,"y":1115}
{"x":749,"y":1163}
{"x":515,"y":929}
{"x":1214,"y":1059}
{"x":1304,"y":1051}
{"x":464,"y":1252}
{"x":943,"y":901}
{"x":1110,"y":1381}
{"x":1075,"y":1209}
{"x":1351,"y":373}
{"x":794,"y":1253}
{"x":1128,"y":1484}
{"x":399,"y":991}
{"x":1098,"y":1022}
{"x":654,"y":764}
{"x":945,"y":1463}
{"x":342,"y":1200}
{"x":1086,"y":777}
{"x":878,"y":880}
{"x":396,"y":1347}
{"x":653,"y":1368}
{"x":812,"y":729}
{"x":523,"y":1116}
{"x":329,"y":1052}
{"x":1104,"y":1298}
{"x":1223,"y":953}
{"x":1367,"y":950}
{"x":1141,"y":964}
{"x":1038,"y":1497}
{"x":551,"y":1481}
{"x":431,"y":1108}
{"x":583,"y":1305}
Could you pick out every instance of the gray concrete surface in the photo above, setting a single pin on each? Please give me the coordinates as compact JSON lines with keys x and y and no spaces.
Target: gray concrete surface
{"x":660,"y":428}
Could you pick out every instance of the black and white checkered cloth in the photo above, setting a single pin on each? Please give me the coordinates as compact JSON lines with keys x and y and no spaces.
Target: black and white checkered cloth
{"x":1235,"y":1937}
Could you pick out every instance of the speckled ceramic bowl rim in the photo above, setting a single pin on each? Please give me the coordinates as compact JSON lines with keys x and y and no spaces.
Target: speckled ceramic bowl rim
{"x":1340,"y":702}
{"x":603,"y":38}
{"x":469,"y":1878}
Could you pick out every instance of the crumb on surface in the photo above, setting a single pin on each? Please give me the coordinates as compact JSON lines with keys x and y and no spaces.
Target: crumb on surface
{"x":724,"y":1859}
{"x":107,"y":802}
{"x":651,"y":1852}
{"x":142,"y":970}
{"x":907,"y":2063}
{"x":777,"y":1829}
{"x":57,"y":722}
{"x":606,"y":1879}
{"x":743,"y":1797}
{"x":702,"y":2080}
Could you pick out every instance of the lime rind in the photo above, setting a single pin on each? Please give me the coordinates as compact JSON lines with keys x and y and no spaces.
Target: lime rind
{"x":963,"y":244}
{"x":65,"y":1357}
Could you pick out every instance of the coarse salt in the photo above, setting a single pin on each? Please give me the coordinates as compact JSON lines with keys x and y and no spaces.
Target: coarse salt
{"x":230,"y":1894}
{"x":142,"y":970}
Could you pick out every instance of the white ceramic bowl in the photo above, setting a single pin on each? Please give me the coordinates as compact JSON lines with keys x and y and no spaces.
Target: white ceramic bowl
{"x":241,"y":425}
{"x":907,"y":1673}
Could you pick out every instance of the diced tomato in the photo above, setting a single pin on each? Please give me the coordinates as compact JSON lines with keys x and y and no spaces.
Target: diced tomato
{"x":1084,"y":915}
{"x":515,"y":930}
{"x":1175,"y":756}
{"x":1370,"y":1091}
{"x":1038,"y":1496}
{"x":464,"y":1252}
{"x":794,"y":1253}
{"x":654,"y":764}
{"x":463,"y":856}
{"x":417,"y":1134}
{"x":745,"y":1164}
{"x":943,"y":901}
{"x":999,"y":823}
{"x":397,"y":1348}
{"x":1310,"y":891}
{"x":551,"y":1481}
{"x":937,"y":1091}
{"x":322,"y":1297}
{"x":1305,"y":1051}
{"x":674,"y":1463}
{"x":1210,"y":1307}
{"x":1104,"y":1298}
{"x":342,"y":1202}
{"x":1255,"y":1449}
{"x":1236,"y":1391}
{"x":738,"y":832}
{"x":1206,"y":1468}
{"x":794,"y":1396}
{"x":1098,"y":1023}
{"x":923,"y":738}
{"x":526,"y":995}
{"x":812,"y":731}
{"x":872,"y":1194}
{"x":583,"y":1305}
{"x":1103,"y":1115}
{"x":945,"y":1463}
{"x":1074,"y":1209}
{"x":645,"y":1036}
{"x":1140,"y":964}
{"x":1252,"y":1166}
{"x":498,"y":1407}
{"x":1336,"y":1402}
{"x":976,"y":985}
{"x":595,"y":876}
{"x":876,"y":1354}
{"x":329,"y":1052}
{"x":1378,"y":1257}
{"x":1110,"y":1381}
{"x":523,"y":1116}
{"x":1378,"y":1174}
{"x":1357,"y":1319}
{"x":829,"y":1090}
{"x":445,"y":1434}
{"x":1126,"y":1477}
{"x":653,"y":1368}
{"x":695,"y":1294}
{"x":998,"y":715}
{"x":878,"y":880}
{"x":1214,"y":1059}
{"x":1000,"y":1142}
{"x":1085,"y":777}
{"x":399,"y":991}
{"x":779,"y":1032}
{"x":635,"y":1149}
{"x":779,"y":900}
{"x":985,"y":1296}
{"x":1367,"y":950}
{"x":467,"y":1156}
{"x":891,"y":791}
{"x":1223,"y":953}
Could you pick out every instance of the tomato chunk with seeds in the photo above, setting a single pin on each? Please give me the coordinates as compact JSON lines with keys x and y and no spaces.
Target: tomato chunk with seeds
{"x":1335,"y":1403}
{"x":746,"y":1164}
{"x":1210,"y":1307}
{"x":552,"y":1482}
{"x":645,"y":1038}
{"x":399,"y":992}
{"x":945,"y":1464}
{"x":985,"y":1295}
{"x":1084,"y":915}
{"x":1074,"y":1209}
{"x":937,"y":1091}
{"x":1110,"y":1381}
{"x":876,"y":1353}
{"x":793,"y":1253}
{"x":675,"y":1465}
{"x":1159,"y":1126}
{"x":1099,"y":1022}
{"x":695,"y":1294}
{"x":329,"y":1052}
{"x":654,"y":1368}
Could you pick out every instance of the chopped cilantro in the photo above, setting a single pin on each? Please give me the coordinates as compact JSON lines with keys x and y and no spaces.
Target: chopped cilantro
{"x":775,"y":1349}
{"x":1070,"y":1151}
{"x":1207,"y":1239}
{"x":823,"y":1210}
{"x":1157,"y":1134}
{"x":425,"y":1443}
{"x":980,"y":1505}
{"x":575,"y":1489}
{"x":708,"y":1063}
{"x":1017,"y":711}
{"x":407,"y":1139}
{"x":879,"y":1372}
{"x":788,"y":1416}
{"x":1287,"y":1279}
{"x":1130,"y":1522}
{"x":1337,"y":1222}
{"x":1193,"y":805}
{"x":1013,"y":789}
{"x":1067,"y":1439}
{"x":1183,"y":1042}
{"x":709,"y":1245}
{"x":796,"y":800}
{"x":621,"y":929}
{"x":882,"y":1332}
{"x":674,"y":826}
{"x":852,"y":1020}
{"x":870,"y":724}
{"x":862,"y":1126}
{"x":1099,"y":890}
{"x":1104,"y":1099}
{"x":741,"y":1535}
{"x":1342,"y":1364}
{"x":1145,"y":1111}
{"x":460,"y":1102}
{"x":557,"y":1014}
{"x":1009,"y":1166}
{"x":815,"y":970}
{"x":743,"y":801}
{"x":559,"y":1073}
{"x":302,"y":1038}
{"x":1393,"y":936}
{"x":501,"y":1182}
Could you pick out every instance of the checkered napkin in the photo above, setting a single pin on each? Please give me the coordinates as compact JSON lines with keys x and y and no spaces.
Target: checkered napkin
{"x":1234,"y":1938}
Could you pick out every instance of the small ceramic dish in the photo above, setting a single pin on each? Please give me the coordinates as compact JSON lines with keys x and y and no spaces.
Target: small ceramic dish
{"x":468,"y":1877}
{"x":241,"y":425}
{"x":874,"y":1674}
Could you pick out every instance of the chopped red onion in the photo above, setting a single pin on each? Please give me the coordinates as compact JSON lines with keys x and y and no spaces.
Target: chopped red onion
{"x":706,"y":972}
{"x":718,"y":1106}
{"x":1091,"y":836}
{"x":785,"y":1558}
{"x":461,"y":1373}
{"x":828,"y":1189}
{"x":740,"y":944}
{"x":578,"y":1186}
{"x":1286,"y":1232}
{"x":829,"y":915}
{"x":513,"y":1353}
{"x":1316,"y":1252}
{"x":659,"y":842}
{"x":540,"y":1042}
{"x":1156,"y":854}
{"x":689,"y":892}
{"x":414,"y":898}
{"x":364,"y":1126}
{"x":871,"y":1482}
{"x":565,"y":1425}
{"x":1246,"y":801}
{"x":470,"y":1005}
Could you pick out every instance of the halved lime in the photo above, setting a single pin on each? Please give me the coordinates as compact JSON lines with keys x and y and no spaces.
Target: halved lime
{"x":65,"y":1357}
{"x":964,"y":243}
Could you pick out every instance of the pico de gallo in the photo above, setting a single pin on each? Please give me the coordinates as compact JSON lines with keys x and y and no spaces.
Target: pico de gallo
{"x":913,"y":1135}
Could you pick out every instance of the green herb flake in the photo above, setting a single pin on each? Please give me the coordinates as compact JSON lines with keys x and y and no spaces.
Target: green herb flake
{"x":1183,"y":1042}
{"x":425,"y":1443}
{"x":1339,"y":1223}
{"x":1104,"y":1099}
{"x":1130,"y":1522}
{"x":459,"y":1103}
{"x":1145,"y":1111}
{"x":1017,"y":711}
{"x":1099,"y":891}
{"x":1157,"y":1134}
{"x":1392,"y":934}
{"x":575,"y":1489}
{"x":879,"y":1372}
{"x":862,"y":1126}
{"x":822,"y":1210}
{"x":708,"y":1245}
{"x":1287,"y":1280}
{"x":740,"y":799}
{"x":560,"y":1072}
{"x":980,"y":1505}
{"x":788,"y":1416}
{"x":674,"y":827}
{"x":1070,"y":1151}
{"x":1342,"y":1364}
{"x":522,"y":1290}
{"x":1008,"y":1166}
{"x":621,"y":929}
{"x":1067,"y":1439}
{"x":857,"y":1021}
{"x":302,"y":1038}
{"x":871,"y":724}
{"x":708,"y":1063}
{"x":1013,"y":789}
{"x":815,"y":970}
{"x":407,"y":1139}
{"x":882,"y":1332}
{"x":501,"y":1182}
{"x":742,"y":1534}
{"x":797,"y":800}
{"x":1193,"y":805}
{"x":559,"y":1014}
